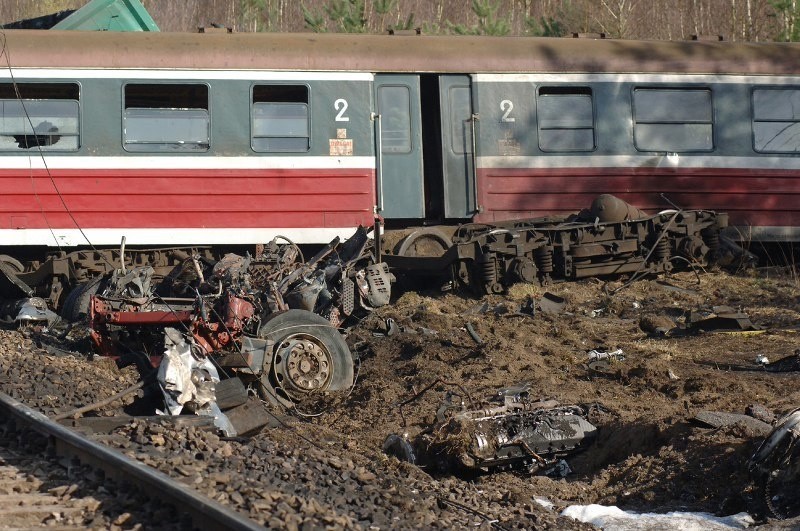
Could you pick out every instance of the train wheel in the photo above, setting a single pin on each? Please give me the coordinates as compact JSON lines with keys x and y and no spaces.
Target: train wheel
{"x":309,"y":357}
{"x":428,"y":241}
{"x":76,"y":305}
{"x":13,"y":263}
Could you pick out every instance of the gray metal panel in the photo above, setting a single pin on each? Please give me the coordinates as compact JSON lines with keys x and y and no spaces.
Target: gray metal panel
{"x":455,"y":93}
{"x":398,"y":102}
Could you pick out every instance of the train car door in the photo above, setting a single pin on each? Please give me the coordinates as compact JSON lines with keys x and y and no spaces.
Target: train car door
{"x":455,"y":95}
{"x":401,"y":184}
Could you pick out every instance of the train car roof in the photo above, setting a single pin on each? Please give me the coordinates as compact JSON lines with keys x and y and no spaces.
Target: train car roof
{"x":384,"y":53}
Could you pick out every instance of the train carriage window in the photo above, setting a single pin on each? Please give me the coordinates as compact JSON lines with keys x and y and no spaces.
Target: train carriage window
{"x":566,"y":119}
{"x":37,"y":116}
{"x":280,"y":119}
{"x":394,"y":102}
{"x":166,"y":117}
{"x":673,"y":120}
{"x":776,"y":120}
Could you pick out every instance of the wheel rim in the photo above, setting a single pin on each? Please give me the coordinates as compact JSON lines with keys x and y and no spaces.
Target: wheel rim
{"x":303,"y":364}
{"x":424,"y":242}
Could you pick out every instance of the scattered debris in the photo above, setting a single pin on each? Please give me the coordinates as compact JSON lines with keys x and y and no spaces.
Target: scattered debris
{"x":760,"y":412}
{"x":761,"y":363}
{"x":473,"y":334}
{"x":602,"y":362}
{"x":512,"y":433}
{"x":717,"y":319}
{"x":721,"y":319}
{"x":718,"y":419}
{"x":785,"y":364}
{"x":552,"y":304}
{"x":671,"y":287}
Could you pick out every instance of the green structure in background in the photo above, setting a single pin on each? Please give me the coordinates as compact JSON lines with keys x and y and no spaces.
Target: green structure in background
{"x":109,"y":15}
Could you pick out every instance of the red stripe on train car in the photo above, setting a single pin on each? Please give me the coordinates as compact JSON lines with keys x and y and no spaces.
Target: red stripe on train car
{"x":158,"y":198}
{"x":758,"y":197}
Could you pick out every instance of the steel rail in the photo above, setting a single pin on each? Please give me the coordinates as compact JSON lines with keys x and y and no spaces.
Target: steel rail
{"x":204,"y":512}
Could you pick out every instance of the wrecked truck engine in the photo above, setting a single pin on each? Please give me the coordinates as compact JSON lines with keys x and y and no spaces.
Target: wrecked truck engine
{"x":513,"y":433}
{"x":270,"y":321}
{"x":610,"y":238}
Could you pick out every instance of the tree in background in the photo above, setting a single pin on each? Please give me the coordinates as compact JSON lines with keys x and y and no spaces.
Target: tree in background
{"x":489,"y":22}
{"x":737,"y":20}
{"x":787,"y":12}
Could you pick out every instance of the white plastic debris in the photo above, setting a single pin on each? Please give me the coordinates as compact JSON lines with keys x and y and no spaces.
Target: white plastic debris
{"x":615,"y":519}
{"x":184,"y":379}
{"x":762,"y":360}
{"x":544,"y":502}
{"x":596,"y":355}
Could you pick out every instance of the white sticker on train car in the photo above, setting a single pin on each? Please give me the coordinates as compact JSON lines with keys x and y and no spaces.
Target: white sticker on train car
{"x":342,"y":147}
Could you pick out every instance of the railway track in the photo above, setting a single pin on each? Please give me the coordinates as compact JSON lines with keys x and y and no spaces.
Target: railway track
{"x":34,"y":492}
{"x":26,"y":500}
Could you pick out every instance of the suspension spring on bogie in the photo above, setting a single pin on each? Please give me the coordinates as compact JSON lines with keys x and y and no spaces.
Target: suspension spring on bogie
{"x":544,"y":259}
{"x":711,"y":239}
{"x":662,"y":249}
{"x":488,"y":270}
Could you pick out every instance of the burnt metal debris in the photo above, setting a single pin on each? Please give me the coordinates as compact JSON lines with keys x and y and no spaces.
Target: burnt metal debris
{"x":270,"y":320}
{"x":610,"y":238}
{"x":512,"y":433}
{"x":776,"y":464}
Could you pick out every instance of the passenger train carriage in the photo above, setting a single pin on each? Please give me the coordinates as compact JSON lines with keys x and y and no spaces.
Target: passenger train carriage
{"x":229,"y":139}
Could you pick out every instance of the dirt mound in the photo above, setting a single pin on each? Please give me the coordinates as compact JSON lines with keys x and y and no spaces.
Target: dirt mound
{"x":649,"y":454}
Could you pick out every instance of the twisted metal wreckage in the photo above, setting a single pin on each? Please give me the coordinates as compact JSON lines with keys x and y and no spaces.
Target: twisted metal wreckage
{"x":776,"y":465}
{"x":511,"y":432}
{"x":269,"y":322}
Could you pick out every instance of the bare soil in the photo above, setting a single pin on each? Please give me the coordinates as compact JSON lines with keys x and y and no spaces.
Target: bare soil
{"x":649,"y":455}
